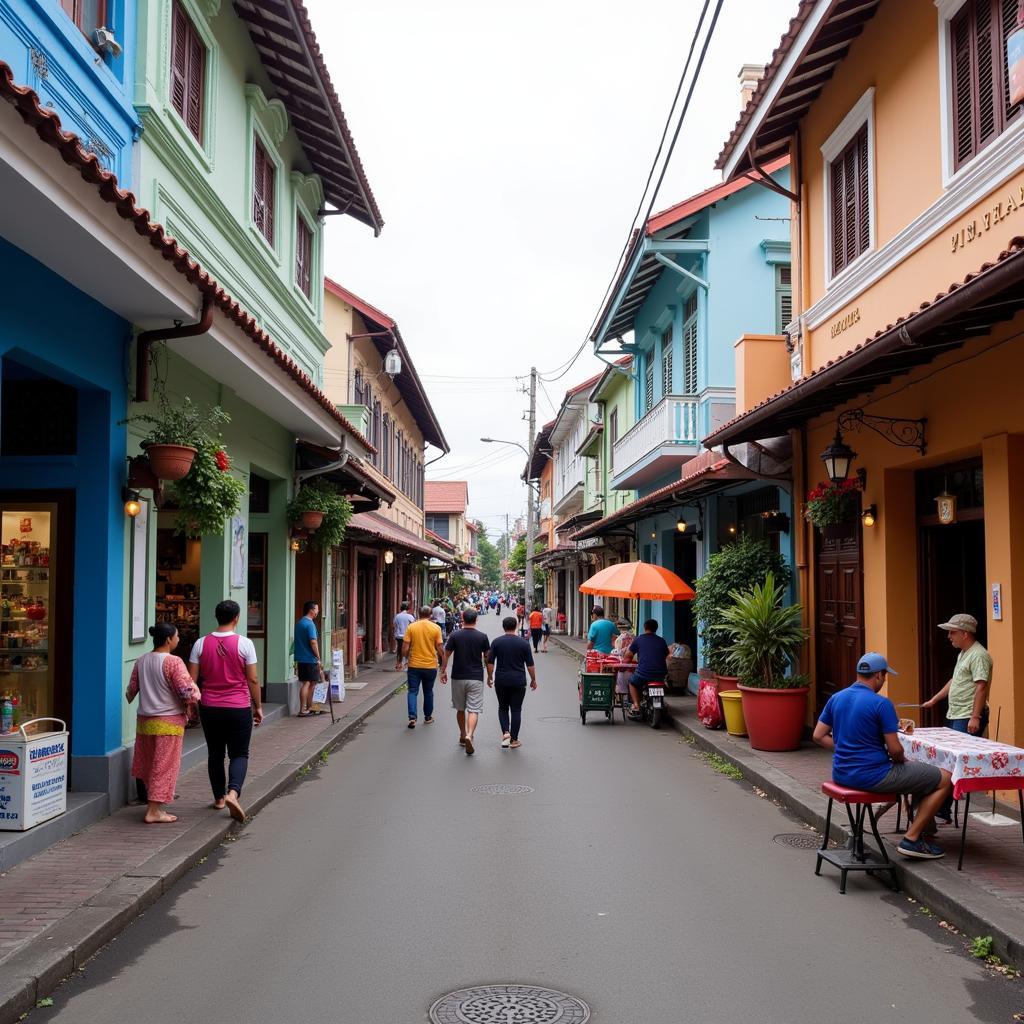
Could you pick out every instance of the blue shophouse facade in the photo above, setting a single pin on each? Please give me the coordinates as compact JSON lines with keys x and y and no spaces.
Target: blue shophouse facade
{"x":63,"y":365}
{"x":699,"y":277}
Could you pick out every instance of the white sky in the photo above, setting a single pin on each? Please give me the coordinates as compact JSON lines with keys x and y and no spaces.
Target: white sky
{"x":508,"y":146}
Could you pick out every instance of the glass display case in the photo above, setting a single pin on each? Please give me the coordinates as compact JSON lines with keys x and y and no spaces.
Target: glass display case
{"x":27,"y":568}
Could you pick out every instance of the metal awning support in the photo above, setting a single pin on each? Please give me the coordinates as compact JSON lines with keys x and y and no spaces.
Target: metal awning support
{"x":672,"y":265}
{"x":301,"y":475}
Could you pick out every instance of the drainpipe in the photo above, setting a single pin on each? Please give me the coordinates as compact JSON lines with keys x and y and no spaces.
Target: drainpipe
{"x":144,"y":344}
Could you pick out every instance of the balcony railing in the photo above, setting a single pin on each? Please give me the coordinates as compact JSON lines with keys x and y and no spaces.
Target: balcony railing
{"x":672,"y":423}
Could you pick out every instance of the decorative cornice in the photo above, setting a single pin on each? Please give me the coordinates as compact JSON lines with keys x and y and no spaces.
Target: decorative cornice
{"x":775,"y":250}
{"x":310,"y":190}
{"x":272,"y":115}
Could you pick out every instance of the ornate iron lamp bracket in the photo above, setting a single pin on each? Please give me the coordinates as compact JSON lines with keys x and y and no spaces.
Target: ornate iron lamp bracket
{"x":900,"y":432}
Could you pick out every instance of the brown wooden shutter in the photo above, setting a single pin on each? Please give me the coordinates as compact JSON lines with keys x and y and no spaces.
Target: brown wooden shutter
{"x":863,"y":193}
{"x":179,"y":58}
{"x":196,"y":82}
{"x":263,"y":191}
{"x":987,"y":74}
{"x":303,"y":256}
{"x":850,"y":202}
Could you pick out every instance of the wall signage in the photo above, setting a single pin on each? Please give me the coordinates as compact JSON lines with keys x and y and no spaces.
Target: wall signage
{"x":984,"y":222}
{"x":844,"y":323}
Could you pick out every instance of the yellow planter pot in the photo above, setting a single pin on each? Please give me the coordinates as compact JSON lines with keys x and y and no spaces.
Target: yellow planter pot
{"x":732,"y":705}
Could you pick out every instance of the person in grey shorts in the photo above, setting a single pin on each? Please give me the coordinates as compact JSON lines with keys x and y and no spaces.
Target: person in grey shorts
{"x":861,"y":728}
{"x":466,"y":648}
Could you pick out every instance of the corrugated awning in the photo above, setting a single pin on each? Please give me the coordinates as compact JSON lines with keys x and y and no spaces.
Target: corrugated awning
{"x":370,"y":524}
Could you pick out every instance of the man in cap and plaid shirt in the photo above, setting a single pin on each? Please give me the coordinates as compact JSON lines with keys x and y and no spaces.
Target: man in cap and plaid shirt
{"x":972,"y":676}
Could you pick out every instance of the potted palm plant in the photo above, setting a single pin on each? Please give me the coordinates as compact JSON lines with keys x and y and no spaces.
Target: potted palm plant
{"x":764,"y":636}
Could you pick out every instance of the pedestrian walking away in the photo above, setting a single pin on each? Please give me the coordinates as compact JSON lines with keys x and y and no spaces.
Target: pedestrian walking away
{"x":165,"y":691}
{"x":536,"y":628}
{"x":308,"y":663}
{"x":509,"y":662}
{"x":422,"y":649}
{"x":861,"y":728}
{"x":403,"y":620}
{"x":467,"y":648}
{"x":438,"y":616}
{"x":548,"y":621}
{"x":224,"y":665}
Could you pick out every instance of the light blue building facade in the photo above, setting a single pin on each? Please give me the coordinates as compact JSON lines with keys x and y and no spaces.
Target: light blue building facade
{"x":702,"y":274}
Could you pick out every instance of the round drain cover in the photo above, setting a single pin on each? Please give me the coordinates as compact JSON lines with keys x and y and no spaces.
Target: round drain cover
{"x":798,"y":840}
{"x":502,"y":789}
{"x":509,"y":1004}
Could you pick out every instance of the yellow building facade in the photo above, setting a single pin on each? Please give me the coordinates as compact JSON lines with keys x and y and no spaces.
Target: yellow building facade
{"x":908,"y":337}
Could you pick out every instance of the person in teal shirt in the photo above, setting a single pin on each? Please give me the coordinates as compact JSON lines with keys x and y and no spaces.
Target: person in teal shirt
{"x":602,"y":632}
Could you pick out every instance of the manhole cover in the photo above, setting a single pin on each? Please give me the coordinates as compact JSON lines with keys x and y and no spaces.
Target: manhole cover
{"x":559,"y":718}
{"x":509,"y":1004}
{"x":502,"y":789}
{"x":798,"y":840}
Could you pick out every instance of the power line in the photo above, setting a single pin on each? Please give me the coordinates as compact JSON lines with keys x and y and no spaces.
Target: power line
{"x":553,"y":375}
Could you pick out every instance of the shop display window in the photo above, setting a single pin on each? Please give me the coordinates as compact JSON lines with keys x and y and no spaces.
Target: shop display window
{"x":177,"y":583}
{"x":27,"y":567}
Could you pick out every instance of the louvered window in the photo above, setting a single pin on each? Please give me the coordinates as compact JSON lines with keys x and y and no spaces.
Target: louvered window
{"x":849,"y":184}
{"x":980,"y":80}
{"x":385,"y":447}
{"x":375,"y":433}
{"x":613,"y":436}
{"x":666,"y":361}
{"x":188,"y":70}
{"x":783,"y":298}
{"x":690,"y":347}
{"x":303,"y":256}
{"x":263,"y":172}
{"x":649,"y":383}
{"x":357,"y":388}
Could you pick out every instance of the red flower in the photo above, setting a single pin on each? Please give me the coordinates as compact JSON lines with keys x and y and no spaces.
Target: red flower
{"x":223,"y":462}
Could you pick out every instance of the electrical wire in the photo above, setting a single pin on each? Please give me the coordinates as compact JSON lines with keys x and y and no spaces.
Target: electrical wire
{"x":554,"y":375}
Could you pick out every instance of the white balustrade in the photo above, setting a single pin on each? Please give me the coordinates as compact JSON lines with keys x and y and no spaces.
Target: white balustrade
{"x":673,"y":421}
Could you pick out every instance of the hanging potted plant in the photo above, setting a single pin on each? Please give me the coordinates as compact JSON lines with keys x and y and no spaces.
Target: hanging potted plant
{"x":176,"y":434}
{"x":208,"y":494}
{"x":318,"y":508}
{"x":764,"y":637}
{"x":832,"y":505}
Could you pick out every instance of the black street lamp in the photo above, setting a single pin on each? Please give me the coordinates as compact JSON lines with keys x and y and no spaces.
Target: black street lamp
{"x":838,"y":457}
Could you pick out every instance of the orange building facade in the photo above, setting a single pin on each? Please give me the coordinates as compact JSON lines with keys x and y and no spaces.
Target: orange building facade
{"x":908,"y":337}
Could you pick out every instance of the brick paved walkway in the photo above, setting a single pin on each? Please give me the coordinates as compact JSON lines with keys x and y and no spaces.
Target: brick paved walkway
{"x":994,"y":857}
{"x":48,"y":887}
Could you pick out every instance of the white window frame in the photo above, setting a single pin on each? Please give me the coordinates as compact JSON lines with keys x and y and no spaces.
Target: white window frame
{"x":863,"y":111}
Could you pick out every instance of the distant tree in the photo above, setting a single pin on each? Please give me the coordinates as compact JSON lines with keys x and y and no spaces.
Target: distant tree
{"x":490,"y":559}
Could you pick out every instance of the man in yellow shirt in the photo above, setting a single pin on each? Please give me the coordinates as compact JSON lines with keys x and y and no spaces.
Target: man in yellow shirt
{"x":422,"y":648}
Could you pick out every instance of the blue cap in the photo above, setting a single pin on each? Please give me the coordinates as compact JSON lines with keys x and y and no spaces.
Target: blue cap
{"x":873,"y":662}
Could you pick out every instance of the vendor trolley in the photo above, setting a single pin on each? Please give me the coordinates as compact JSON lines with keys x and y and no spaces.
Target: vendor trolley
{"x":597,"y":686}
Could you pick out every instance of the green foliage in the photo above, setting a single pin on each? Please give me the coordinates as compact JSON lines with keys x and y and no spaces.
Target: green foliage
{"x":517,"y":561}
{"x":720,"y":765}
{"x":183,"y":424}
{"x":830,"y":504}
{"x":320,"y":495}
{"x":763,"y":635}
{"x":208,"y":495}
{"x":981,"y":947}
{"x":490,"y":559}
{"x":736,"y":566}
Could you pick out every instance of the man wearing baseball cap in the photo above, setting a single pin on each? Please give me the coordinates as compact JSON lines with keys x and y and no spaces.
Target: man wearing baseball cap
{"x":972,"y":676}
{"x":861,"y":728}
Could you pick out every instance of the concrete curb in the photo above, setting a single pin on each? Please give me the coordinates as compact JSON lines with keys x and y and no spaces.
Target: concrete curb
{"x":937,"y":886}
{"x":42,"y":964}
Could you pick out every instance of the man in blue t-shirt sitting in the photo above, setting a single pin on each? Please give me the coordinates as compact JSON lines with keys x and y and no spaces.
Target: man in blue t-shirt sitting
{"x":861,"y":728}
{"x":602,"y":631}
{"x":651,"y":653}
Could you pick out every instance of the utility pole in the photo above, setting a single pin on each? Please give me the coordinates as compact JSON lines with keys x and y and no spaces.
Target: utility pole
{"x":505,"y":545}
{"x":530,"y":595}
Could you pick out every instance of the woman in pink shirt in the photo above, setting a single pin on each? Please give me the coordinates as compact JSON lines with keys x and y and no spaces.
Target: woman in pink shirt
{"x":164,"y":688}
{"x":224,"y":665}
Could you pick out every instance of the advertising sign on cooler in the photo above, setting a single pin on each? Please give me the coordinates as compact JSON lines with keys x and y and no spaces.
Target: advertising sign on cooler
{"x":33,"y":777}
{"x":337,"y":675}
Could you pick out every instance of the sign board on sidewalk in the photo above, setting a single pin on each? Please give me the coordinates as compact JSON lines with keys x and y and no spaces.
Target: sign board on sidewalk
{"x":33,"y":779}
{"x":337,"y":675}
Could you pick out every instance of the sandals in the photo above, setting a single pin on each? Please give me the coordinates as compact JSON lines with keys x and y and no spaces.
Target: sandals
{"x":514,"y":744}
{"x":304,"y":714}
{"x":506,"y":740}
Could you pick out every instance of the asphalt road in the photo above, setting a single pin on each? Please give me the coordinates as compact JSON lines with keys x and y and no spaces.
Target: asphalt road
{"x":633,"y":876}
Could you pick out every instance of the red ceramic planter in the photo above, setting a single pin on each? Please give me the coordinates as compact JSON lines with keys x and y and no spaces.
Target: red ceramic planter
{"x":170,"y":461}
{"x":312,"y":520}
{"x":775,"y":718}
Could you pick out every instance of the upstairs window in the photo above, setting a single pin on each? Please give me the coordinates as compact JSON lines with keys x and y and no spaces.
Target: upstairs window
{"x":666,"y":361}
{"x":303,"y":256}
{"x":690,"y":346}
{"x":613,"y":435}
{"x":649,"y":384}
{"x":263,"y":172}
{"x":385,"y":447}
{"x":783,"y":298}
{"x":188,"y":70}
{"x":88,"y":15}
{"x":357,"y":388}
{"x":979,"y":75}
{"x":849,"y":202}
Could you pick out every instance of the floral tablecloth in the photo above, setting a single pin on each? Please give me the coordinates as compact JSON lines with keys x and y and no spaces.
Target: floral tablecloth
{"x":974,"y":762}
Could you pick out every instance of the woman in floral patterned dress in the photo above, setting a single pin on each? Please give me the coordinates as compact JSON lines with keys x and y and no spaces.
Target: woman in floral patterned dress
{"x":165,"y":691}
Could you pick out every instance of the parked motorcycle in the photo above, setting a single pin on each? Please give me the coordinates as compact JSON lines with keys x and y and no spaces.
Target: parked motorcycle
{"x":652,"y":703}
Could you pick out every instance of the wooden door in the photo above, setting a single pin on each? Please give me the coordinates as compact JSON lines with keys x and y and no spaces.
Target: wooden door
{"x":839,"y":618}
{"x":309,"y":578}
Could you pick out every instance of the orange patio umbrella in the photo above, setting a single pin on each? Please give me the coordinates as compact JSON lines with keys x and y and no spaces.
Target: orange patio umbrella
{"x":640,"y":580}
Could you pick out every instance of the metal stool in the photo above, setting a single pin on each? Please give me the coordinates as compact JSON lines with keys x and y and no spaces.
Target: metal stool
{"x":854,"y":857}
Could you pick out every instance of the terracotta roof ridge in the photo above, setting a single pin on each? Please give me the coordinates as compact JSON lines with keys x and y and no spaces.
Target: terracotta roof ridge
{"x":48,"y":127}
{"x":349,"y":296}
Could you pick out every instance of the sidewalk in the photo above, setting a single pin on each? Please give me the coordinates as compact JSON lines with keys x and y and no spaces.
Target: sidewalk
{"x":59,"y":907}
{"x":986,"y":898}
